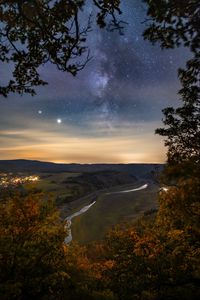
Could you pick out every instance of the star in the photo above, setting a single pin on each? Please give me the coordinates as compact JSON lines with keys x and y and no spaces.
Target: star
{"x":59,"y":121}
{"x":118,"y":94}
{"x":99,"y":81}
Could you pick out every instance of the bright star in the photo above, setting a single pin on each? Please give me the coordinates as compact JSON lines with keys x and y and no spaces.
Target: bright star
{"x":39,"y":112}
{"x":59,"y":121}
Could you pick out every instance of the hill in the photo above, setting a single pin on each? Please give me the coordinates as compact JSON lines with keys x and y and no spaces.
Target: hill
{"x":34,"y":166}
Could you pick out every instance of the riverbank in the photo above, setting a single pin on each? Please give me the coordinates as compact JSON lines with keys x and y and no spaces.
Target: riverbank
{"x":86,"y":214}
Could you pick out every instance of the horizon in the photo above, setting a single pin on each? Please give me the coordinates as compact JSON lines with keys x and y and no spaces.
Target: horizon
{"x":77,"y":163}
{"x":108,"y":113}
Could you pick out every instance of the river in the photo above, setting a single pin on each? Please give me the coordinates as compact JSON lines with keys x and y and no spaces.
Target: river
{"x":68,"y":239}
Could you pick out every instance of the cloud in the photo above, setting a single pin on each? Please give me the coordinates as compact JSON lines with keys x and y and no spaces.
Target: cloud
{"x":122,"y":145}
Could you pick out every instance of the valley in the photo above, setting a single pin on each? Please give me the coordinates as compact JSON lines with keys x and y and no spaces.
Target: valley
{"x":122,"y":193}
{"x":111,"y":208}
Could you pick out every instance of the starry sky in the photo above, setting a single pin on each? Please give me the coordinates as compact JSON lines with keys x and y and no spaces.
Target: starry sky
{"x":107,"y":113}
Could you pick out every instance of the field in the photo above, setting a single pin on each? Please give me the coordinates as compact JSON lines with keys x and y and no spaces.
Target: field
{"x":72,"y":191}
{"x":110,"y":210}
{"x":61,"y":186}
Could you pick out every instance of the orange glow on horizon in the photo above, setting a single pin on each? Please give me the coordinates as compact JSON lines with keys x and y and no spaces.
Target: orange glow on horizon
{"x":124,"y":143}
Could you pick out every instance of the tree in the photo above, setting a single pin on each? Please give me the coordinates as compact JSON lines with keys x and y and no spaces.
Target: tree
{"x":173,"y":24}
{"x":160,"y":260}
{"x":34,"y":261}
{"x":33,"y":33}
{"x":157,"y":258}
{"x":32,"y":253}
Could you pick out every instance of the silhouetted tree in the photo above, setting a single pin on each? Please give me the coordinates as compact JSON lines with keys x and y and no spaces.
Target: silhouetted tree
{"x":35,"y":32}
{"x":176,"y":23}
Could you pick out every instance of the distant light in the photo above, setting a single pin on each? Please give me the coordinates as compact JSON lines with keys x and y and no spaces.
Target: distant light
{"x":164,"y":189}
{"x":59,"y":121}
{"x":33,"y":178}
{"x":39,"y":112}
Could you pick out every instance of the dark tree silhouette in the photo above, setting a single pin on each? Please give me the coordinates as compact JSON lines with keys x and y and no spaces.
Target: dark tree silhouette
{"x":35,"y":32}
{"x":175,"y":23}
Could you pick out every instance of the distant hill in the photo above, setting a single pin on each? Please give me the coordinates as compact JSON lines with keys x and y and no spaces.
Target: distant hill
{"x":34,"y":166}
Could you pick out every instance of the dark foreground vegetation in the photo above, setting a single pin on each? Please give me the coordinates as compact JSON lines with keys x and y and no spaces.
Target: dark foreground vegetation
{"x":157,"y":258}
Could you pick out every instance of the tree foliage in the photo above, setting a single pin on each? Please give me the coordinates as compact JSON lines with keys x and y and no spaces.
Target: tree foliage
{"x":159,"y":259}
{"x":34,"y":261}
{"x":32,"y":254}
{"x":33,"y":33}
{"x":173,"y":24}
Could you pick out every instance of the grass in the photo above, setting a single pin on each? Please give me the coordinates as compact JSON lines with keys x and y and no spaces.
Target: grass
{"x":55,"y":183}
{"x":110,"y":210}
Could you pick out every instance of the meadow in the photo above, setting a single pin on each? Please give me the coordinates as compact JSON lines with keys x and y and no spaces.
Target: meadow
{"x":74,"y":190}
{"x":112,"y":209}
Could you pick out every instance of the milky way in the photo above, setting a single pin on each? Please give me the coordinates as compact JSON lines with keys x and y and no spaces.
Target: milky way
{"x":111,"y":107}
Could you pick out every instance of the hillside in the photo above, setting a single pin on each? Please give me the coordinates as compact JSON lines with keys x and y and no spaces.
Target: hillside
{"x":34,"y":166}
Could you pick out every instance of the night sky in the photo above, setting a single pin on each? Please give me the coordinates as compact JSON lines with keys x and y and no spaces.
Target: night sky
{"x":108,"y":112}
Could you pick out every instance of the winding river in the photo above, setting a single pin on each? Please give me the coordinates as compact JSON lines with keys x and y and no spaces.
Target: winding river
{"x":129,"y":191}
{"x":68,"y":239}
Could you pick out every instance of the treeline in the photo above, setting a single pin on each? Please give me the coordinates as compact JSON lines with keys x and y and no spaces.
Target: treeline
{"x":158,"y":258}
